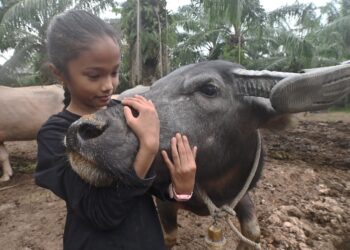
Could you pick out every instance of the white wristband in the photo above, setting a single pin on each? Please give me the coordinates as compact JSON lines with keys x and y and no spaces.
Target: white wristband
{"x":178,"y":197}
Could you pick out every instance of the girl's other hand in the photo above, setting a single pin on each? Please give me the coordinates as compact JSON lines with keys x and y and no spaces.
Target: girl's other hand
{"x":146,"y":124}
{"x":183,"y":167}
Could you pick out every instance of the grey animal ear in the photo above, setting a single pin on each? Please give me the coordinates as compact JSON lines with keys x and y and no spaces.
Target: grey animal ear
{"x":258,"y":83}
{"x":315,"y":90}
{"x":138,"y":90}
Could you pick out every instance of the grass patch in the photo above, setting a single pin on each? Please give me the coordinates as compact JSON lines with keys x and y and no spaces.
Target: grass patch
{"x":23,"y":165}
{"x":340,"y":109}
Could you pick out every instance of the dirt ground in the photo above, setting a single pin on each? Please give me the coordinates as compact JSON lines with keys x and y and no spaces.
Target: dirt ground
{"x":302,"y":199}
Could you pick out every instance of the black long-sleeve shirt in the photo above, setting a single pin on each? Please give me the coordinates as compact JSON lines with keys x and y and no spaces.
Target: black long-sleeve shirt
{"x":105,"y":218}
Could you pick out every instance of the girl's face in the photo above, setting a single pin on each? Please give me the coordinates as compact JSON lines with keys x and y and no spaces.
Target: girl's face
{"x":93,"y":76}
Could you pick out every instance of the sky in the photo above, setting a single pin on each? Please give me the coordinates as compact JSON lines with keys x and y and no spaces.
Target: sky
{"x":174,"y":4}
{"x":272,"y":5}
{"x":268,"y":5}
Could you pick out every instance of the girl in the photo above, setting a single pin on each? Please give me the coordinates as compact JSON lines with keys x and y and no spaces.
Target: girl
{"x":85,"y":55}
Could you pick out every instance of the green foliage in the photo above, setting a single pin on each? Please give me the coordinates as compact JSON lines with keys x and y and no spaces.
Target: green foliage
{"x":150,"y":36}
{"x":196,"y":39}
{"x":228,"y":10}
{"x":310,"y":42}
{"x":23,"y":25}
{"x":344,"y":108}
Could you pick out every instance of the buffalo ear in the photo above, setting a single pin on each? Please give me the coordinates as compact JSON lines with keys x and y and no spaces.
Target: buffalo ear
{"x":137,"y":90}
{"x":265,"y":116}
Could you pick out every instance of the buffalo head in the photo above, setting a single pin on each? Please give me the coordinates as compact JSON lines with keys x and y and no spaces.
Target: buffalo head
{"x":219,"y":105}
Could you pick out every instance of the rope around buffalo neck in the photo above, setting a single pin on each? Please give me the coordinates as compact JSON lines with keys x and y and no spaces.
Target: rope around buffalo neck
{"x":229,"y":209}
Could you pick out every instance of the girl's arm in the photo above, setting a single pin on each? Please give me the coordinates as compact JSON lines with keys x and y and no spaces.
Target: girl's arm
{"x":146,"y":128}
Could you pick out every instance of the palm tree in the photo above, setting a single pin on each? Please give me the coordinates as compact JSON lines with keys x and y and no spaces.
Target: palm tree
{"x":23,"y":25}
{"x":144,"y":46}
{"x":338,"y":25}
{"x":194,"y":38}
{"x":240,"y":14}
{"x":308,"y":42}
{"x":287,"y":40}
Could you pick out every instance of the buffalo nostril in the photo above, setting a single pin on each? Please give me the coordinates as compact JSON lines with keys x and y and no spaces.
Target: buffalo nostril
{"x":89,"y":131}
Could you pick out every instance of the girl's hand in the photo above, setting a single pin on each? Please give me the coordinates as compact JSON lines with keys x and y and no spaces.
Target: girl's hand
{"x":146,"y":124}
{"x":183,"y":167}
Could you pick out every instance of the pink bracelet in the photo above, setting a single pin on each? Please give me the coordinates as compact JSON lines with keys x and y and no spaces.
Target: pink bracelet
{"x":178,"y":197}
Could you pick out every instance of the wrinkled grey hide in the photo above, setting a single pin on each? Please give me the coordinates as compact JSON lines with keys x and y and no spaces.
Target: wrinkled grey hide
{"x":219,"y":106}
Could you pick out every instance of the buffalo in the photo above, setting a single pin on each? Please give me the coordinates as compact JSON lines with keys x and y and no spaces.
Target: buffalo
{"x":220,"y":106}
{"x":23,"y":111}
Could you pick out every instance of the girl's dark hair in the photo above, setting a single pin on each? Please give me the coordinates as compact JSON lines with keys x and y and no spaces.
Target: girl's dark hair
{"x":71,"y":33}
{"x":66,"y":99}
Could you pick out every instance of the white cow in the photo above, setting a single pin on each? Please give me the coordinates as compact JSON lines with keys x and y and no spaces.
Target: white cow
{"x":22,"y":112}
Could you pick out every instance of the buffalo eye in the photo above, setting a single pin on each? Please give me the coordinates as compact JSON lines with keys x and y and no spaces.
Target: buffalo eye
{"x":209,"y":90}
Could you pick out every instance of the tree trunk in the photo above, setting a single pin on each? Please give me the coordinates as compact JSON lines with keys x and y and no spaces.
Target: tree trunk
{"x":138,"y":45}
{"x":238,"y":35}
{"x":166,"y":51}
{"x":161,"y":72}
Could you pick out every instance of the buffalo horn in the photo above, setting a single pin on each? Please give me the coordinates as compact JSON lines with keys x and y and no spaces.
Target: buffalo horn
{"x":315,"y":90}
{"x":258,"y":83}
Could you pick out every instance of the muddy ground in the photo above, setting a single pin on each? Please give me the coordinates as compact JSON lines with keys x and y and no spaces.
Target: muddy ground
{"x":302,"y":199}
